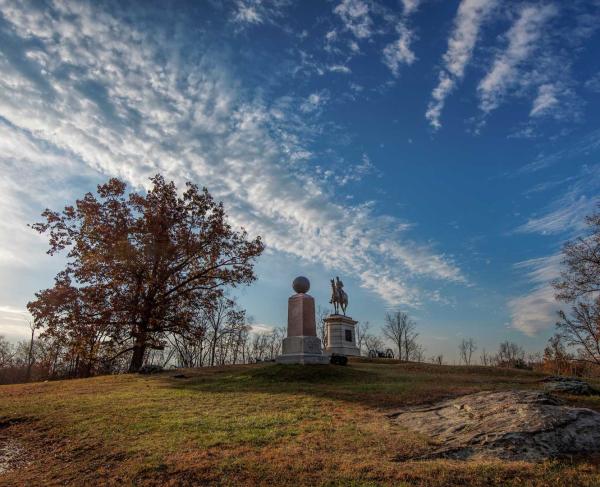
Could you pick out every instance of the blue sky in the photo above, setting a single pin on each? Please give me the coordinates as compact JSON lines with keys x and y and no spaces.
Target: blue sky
{"x":434,"y":154}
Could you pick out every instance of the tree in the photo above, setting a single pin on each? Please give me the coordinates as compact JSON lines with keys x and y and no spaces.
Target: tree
{"x":6,"y":352}
{"x":579,"y":284}
{"x":223,"y":318}
{"x":466,"y":348}
{"x":362,"y":330}
{"x":373,"y":342}
{"x":140,"y":266}
{"x":510,"y":355}
{"x":437,"y":359}
{"x":322,"y":313}
{"x":30,"y":356}
{"x":400,"y":329}
{"x":582,"y":329}
{"x":484,"y":358}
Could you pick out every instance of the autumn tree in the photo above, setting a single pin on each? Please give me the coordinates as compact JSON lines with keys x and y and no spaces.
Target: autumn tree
{"x":139,"y":266}
{"x":579,"y":285}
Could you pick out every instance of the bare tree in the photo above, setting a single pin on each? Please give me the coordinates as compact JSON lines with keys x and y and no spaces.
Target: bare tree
{"x":437,"y":359}
{"x":30,"y":357}
{"x":373,"y":342}
{"x":418,"y":353}
{"x":6,"y":352}
{"x":400,"y":329}
{"x":484,"y":358}
{"x":581,"y":329}
{"x":579,"y":284}
{"x":222,"y":317}
{"x":510,"y":355}
{"x":322,"y":313}
{"x":466,"y":349}
{"x":362,"y":330}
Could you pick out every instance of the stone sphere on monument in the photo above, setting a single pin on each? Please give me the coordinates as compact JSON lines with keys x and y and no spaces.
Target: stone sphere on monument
{"x":301,"y":285}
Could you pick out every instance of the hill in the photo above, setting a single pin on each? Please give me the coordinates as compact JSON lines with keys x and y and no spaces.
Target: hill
{"x":257,"y":424}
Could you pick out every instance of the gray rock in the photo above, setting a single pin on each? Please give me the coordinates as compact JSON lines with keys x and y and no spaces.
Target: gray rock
{"x":569,"y":385}
{"x":511,"y":425}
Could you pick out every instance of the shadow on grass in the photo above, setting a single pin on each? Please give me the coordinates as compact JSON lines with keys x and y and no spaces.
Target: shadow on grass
{"x":369,"y":383}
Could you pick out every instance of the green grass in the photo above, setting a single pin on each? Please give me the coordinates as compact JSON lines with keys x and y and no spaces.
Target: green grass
{"x":260,"y":424}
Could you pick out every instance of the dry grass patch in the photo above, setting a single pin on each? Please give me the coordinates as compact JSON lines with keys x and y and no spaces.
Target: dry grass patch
{"x":255,"y":425}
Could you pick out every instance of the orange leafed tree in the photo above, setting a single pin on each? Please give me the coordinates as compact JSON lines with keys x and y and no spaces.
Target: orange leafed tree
{"x":139,"y":265}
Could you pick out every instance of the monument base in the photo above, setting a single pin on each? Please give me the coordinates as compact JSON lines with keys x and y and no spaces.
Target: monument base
{"x":341,"y":335}
{"x":302,"y":350}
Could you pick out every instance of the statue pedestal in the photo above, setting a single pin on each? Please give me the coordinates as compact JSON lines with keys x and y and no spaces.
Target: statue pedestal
{"x":341,"y":335}
{"x":302,"y":350}
{"x":302,"y":346}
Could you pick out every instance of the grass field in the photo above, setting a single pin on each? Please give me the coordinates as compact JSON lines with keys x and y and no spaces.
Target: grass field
{"x":257,"y":424}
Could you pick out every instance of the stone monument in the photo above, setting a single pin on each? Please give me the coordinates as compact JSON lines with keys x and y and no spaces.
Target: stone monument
{"x":341,"y":329}
{"x":302,"y":346}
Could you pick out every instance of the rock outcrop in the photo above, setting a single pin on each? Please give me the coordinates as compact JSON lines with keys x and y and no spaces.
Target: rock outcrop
{"x":511,"y":425}
{"x":569,"y":385}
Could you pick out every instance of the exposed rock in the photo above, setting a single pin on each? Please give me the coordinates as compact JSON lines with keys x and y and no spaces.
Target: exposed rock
{"x":569,"y":385}
{"x":11,"y":455}
{"x":511,"y":425}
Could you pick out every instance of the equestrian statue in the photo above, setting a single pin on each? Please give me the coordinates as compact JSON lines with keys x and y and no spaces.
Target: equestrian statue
{"x":339,"y":298}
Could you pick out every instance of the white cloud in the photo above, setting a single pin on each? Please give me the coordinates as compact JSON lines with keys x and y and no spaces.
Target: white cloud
{"x":355,"y":16}
{"x":410,"y":6}
{"x":467,"y":25}
{"x":522,"y":40}
{"x":248,"y":13}
{"x":151,"y":111}
{"x":255,"y":12}
{"x":567,"y":213}
{"x":339,"y":68}
{"x":399,"y":52}
{"x":536,"y":311}
{"x":546,"y":100}
{"x":593,"y":84}
{"x":261,"y":328}
{"x":14,"y":323}
{"x":315,"y":101}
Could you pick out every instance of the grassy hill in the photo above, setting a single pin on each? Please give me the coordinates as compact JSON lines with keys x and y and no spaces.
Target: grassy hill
{"x":256,"y":424}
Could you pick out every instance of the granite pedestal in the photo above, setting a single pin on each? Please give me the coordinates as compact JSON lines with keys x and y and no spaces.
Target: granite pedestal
{"x":341,"y":335}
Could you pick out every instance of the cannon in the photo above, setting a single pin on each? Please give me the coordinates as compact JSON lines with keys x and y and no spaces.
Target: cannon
{"x":388,"y":353}
{"x":337,"y":359}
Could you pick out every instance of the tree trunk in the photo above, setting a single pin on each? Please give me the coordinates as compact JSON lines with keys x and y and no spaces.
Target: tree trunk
{"x":30,"y":357}
{"x":139,"y":349}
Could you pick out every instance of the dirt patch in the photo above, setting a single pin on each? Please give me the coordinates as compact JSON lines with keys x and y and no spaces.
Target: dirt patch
{"x":12,"y":451}
{"x":510,"y":425}
{"x":12,"y":455}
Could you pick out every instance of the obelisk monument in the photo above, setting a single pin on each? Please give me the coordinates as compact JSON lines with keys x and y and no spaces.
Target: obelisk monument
{"x":302,"y":346}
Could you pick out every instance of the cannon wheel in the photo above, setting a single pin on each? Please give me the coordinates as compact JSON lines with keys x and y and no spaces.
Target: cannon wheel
{"x":372,"y":354}
{"x":338,"y":359}
{"x":389,"y":353}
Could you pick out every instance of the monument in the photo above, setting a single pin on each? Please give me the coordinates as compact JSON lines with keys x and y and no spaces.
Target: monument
{"x":341,"y":329}
{"x":302,"y":345}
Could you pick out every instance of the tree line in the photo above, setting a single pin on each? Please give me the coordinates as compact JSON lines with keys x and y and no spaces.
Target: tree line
{"x":147,"y":281}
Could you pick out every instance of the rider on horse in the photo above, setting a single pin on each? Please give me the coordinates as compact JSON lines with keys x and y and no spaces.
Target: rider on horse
{"x":339,"y":298}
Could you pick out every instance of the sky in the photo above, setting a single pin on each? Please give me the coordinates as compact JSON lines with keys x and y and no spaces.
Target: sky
{"x":434,"y":154}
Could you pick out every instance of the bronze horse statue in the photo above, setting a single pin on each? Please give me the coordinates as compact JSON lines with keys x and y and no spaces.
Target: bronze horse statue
{"x":339,"y":298}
